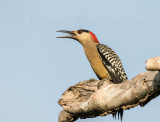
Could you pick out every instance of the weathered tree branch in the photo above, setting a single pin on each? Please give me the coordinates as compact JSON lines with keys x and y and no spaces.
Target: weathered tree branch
{"x":84,"y":100}
{"x":153,"y":63}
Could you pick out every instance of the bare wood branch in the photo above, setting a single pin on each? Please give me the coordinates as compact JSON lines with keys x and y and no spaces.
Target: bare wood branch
{"x":66,"y":117}
{"x":84,"y":100}
{"x":153,"y":63}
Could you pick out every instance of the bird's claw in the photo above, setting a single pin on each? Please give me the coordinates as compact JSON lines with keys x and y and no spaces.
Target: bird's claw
{"x":100,"y":83}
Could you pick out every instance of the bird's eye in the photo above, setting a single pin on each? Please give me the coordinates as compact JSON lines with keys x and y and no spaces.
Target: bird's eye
{"x":79,"y":31}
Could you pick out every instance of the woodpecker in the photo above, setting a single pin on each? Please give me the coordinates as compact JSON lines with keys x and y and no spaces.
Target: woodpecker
{"x":103,"y":60}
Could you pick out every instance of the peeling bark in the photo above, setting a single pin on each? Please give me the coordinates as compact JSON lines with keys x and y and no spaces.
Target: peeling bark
{"x":85,"y":100}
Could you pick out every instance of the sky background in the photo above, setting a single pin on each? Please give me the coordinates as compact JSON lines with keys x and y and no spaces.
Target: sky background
{"x":36,"y":67}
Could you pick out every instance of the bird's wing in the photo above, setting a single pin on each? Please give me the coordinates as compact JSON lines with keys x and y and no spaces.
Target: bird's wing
{"x":112,"y":63}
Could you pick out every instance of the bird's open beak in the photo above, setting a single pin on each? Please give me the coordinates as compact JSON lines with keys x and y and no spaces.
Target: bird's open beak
{"x":72,"y":34}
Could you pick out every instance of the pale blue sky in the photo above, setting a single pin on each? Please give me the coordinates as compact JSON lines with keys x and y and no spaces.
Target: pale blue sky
{"x":36,"y":67}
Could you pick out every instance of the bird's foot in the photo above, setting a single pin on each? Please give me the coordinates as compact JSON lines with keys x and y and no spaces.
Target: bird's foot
{"x":100,"y":83}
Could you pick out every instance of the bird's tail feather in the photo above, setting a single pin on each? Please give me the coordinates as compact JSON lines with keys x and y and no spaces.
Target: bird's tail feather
{"x":120,"y":115}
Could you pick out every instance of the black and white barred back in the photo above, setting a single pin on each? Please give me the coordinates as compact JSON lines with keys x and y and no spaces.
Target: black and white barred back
{"x":112,"y":63}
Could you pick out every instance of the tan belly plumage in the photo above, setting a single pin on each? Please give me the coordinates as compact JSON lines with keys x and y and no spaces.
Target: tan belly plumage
{"x":96,"y":62}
